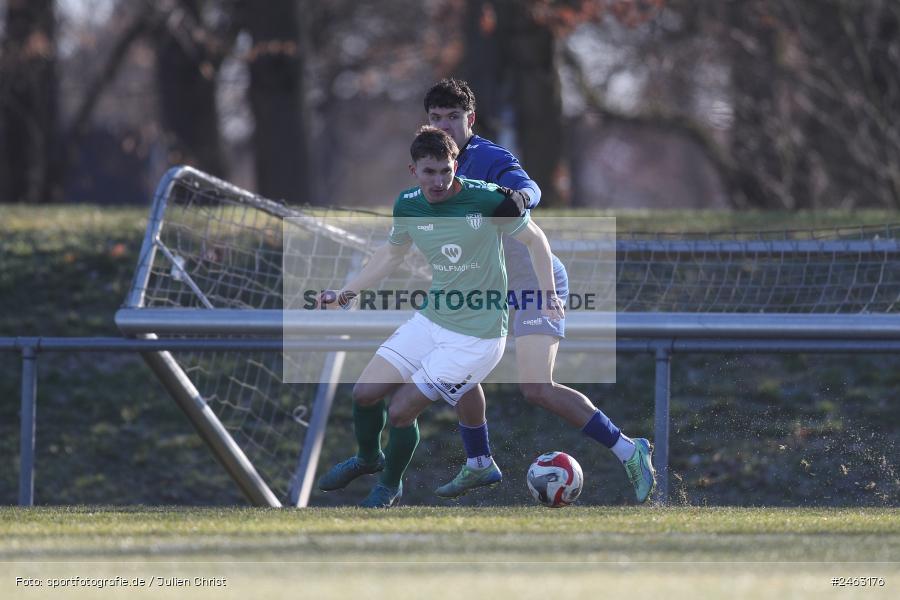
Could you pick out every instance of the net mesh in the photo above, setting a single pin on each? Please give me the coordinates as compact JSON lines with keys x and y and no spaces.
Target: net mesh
{"x":221,"y":247}
{"x":839,"y":270}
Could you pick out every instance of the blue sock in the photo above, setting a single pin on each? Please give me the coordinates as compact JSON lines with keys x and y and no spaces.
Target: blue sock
{"x":475,"y":439}
{"x":601,"y":429}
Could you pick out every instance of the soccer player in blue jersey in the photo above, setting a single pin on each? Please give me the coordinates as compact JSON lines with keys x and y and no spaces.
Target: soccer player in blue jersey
{"x":450,"y":106}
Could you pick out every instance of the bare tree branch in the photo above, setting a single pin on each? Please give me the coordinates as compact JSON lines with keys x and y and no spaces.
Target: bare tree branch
{"x":145,"y":20}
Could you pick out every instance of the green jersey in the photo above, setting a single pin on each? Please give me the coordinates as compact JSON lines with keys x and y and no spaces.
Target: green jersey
{"x":465,"y":250}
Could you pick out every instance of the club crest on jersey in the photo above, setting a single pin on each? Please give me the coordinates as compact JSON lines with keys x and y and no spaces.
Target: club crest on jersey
{"x":452,"y":251}
{"x":474,"y":220}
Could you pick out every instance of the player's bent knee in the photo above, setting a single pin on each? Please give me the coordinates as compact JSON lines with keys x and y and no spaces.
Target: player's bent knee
{"x":400,"y":415}
{"x":540,"y":394}
{"x":366,"y":394}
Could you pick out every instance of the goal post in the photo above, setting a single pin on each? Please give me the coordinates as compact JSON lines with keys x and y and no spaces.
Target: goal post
{"x":172,"y":375}
{"x":210,"y":245}
{"x":217,"y":252}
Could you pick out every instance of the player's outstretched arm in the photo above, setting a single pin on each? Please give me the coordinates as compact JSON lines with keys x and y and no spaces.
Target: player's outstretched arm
{"x":383,"y":262}
{"x":542,"y":259}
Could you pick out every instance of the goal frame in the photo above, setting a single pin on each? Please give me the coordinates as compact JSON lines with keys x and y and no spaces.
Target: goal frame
{"x":363,"y":331}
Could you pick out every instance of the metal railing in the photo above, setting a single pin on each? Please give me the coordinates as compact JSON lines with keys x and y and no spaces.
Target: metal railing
{"x":662,"y":348}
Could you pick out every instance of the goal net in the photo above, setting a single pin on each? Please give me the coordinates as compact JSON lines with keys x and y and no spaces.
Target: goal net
{"x":212,"y":249}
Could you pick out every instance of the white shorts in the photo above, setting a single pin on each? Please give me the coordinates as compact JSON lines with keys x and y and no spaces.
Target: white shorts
{"x":442,"y":363}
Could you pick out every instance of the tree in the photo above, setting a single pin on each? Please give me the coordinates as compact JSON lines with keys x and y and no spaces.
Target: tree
{"x":812,"y":89}
{"x":536,"y":90}
{"x":278,"y":98}
{"x":482,"y":66}
{"x":844,"y":99}
{"x":513,"y":61}
{"x":29,"y":124}
{"x":189,"y":53}
{"x":755,"y":137}
{"x":816,"y":87}
{"x":510,"y":61}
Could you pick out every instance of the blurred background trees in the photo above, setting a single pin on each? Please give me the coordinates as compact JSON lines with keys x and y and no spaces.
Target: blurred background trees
{"x":788,"y":104}
{"x":29,"y":121}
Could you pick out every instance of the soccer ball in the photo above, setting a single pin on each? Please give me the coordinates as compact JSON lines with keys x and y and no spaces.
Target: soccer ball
{"x":555,"y":479}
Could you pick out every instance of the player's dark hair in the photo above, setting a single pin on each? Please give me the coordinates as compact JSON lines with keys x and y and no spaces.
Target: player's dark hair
{"x":450,"y":93}
{"x":432,"y":142}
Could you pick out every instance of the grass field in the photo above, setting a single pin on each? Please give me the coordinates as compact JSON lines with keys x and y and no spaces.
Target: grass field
{"x":795,"y":431}
{"x":424,"y":552}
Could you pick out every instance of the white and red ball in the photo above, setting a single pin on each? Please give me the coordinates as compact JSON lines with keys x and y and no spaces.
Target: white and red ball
{"x":555,"y":479}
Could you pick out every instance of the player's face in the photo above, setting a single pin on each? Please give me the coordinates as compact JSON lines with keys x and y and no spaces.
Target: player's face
{"x":435,"y":177}
{"x":455,"y":121}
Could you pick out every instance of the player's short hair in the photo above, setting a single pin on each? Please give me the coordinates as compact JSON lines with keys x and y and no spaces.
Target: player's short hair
{"x":432,"y":142}
{"x":450,"y":93}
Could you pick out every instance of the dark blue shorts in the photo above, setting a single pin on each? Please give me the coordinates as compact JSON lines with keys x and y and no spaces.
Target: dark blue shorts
{"x":531,"y":322}
{"x":527,"y":319}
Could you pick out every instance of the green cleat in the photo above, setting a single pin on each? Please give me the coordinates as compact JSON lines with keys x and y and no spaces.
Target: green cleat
{"x":640,"y":469}
{"x":343,"y":473}
{"x":382,"y":496}
{"x":468,"y":479}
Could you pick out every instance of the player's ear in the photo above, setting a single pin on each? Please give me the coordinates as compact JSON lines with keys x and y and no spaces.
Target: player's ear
{"x":471,"y":119}
{"x":412,"y":169}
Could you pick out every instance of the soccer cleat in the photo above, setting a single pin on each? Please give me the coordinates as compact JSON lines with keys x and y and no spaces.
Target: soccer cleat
{"x":468,"y":479}
{"x":382,"y":496}
{"x":640,"y":469}
{"x":343,"y":473}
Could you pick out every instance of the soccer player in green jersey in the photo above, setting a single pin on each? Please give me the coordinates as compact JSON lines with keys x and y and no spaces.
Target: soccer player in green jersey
{"x":459,"y":335}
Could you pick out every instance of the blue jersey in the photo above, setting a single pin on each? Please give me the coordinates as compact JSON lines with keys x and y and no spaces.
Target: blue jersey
{"x":483,"y":159}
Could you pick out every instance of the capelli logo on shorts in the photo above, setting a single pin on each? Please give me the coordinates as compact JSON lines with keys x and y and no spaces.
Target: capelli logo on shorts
{"x":454,"y":387}
{"x":538,"y":321}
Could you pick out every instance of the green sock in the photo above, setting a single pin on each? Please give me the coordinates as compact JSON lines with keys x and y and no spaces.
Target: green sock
{"x":399,"y":452}
{"x":368,"y":422}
